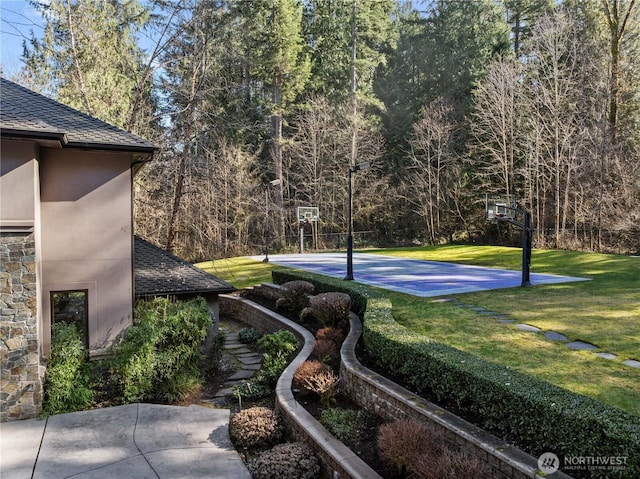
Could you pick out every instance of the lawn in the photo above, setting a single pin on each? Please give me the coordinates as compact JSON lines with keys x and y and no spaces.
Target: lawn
{"x":604,"y":311}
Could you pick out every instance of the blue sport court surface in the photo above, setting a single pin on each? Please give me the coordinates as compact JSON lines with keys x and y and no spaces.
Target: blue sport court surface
{"x":411,"y":276}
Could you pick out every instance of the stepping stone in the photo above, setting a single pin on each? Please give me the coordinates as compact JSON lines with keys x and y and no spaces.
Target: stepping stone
{"x":606,"y":355}
{"x":506,"y":321}
{"x":240,"y":349}
{"x":477,"y":308}
{"x":242,"y":374}
{"x":631,"y":362}
{"x":488,"y":313}
{"x":527,"y":328}
{"x":581,"y":346}
{"x":445,"y":300}
{"x":502,"y":316}
{"x":217,"y":401}
{"x":224,"y":392}
{"x":251,"y":367}
{"x":250,"y":359}
{"x":553,"y":336}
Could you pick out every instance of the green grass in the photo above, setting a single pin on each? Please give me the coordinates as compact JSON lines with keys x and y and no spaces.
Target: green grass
{"x":604,"y":311}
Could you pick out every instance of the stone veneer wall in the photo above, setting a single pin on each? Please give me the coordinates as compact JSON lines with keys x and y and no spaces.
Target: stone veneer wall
{"x":20,"y":379}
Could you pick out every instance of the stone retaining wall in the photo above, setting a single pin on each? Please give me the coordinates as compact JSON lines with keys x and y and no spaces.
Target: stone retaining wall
{"x":20,"y":375}
{"x":379,"y":395}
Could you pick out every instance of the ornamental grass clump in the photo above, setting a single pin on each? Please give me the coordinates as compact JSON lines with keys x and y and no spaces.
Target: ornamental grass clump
{"x":286,"y":461}
{"x":255,"y":427}
{"x":401,"y":443}
{"x":450,"y":464}
{"x":324,"y":384}
{"x":307,"y":370}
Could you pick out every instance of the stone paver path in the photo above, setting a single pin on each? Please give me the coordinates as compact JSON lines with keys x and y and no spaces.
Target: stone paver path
{"x":576,"y":345}
{"x":246,"y":362}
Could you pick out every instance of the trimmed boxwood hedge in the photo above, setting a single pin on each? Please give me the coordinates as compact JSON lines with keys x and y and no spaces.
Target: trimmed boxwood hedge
{"x":532,"y":413}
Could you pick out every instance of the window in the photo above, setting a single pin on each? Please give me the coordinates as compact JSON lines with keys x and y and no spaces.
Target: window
{"x":71,"y":307}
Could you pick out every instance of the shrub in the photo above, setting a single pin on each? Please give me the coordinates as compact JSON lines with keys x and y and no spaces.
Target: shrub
{"x":286,"y":461}
{"x":346,"y":425}
{"x":323,"y":284}
{"x":273,"y":365}
{"x":159,"y":357}
{"x":335,"y":335}
{"x":251,"y":390}
{"x":280,"y":341}
{"x":256,"y":426}
{"x":307,"y":370}
{"x":330,"y":309}
{"x":401,"y":442}
{"x":325,"y":384}
{"x":248,"y":335}
{"x":295,"y":296}
{"x":325,"y":351}
{"x":450,"y":464}
{"x":68,"y":376}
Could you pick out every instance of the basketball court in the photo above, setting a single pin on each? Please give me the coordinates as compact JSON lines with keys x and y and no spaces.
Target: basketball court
{"x":410,"y":276}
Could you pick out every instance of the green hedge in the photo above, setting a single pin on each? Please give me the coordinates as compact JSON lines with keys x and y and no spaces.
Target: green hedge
{"x":535,"y":415}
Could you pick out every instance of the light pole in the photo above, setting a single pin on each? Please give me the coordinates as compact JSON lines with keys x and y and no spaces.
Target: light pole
{"x":352,"y":170}
{"x":266,"y":218}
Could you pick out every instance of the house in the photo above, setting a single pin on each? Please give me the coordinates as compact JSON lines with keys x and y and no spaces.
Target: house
{"x":67,"y":249}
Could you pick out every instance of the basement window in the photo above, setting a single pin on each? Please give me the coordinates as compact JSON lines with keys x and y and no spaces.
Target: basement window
{"x":72,"y":307}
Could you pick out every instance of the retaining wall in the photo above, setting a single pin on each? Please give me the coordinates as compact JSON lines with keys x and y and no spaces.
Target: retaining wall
{"x":379,"y":395}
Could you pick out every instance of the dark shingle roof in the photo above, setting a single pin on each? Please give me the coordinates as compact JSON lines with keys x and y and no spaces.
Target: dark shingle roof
{"x":158,"y":272}
{"x":24,"y":113}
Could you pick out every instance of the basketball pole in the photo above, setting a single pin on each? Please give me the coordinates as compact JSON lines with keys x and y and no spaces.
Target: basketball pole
{"x":526,"y":249}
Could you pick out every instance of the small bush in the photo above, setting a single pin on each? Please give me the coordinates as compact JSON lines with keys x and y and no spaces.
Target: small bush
{"x":346,"y":425}
{"x":307,"y":370}
{"x":68,"y":376}
{"x":325,"y":351}
{"x":335,"y":335}
{"x":401,"y":442}
{"x":281,"y":341}
{"x":248,"y":335}
{"x":251,"y":390}
{"x":256,"y":426}
{"x":286,"y":461}
{"x":160,"y":356}
{"x":273,"y":365}
{"x":330,"y":309}
{"x":295,"y":296}
{"x":325,"y":384}
{"x":450,"y":464}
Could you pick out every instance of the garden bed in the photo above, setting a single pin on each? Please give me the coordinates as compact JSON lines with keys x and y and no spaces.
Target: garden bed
{"x":389,"y":401}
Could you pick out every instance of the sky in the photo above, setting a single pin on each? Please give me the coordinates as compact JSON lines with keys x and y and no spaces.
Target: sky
{"x":18,"y":19}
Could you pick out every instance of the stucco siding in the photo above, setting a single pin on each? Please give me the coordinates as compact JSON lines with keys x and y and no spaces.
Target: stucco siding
{"x":87,"y":237}
{"x":18,"y":183}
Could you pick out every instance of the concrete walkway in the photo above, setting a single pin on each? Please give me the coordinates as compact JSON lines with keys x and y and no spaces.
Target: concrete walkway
{"x":141,"y":441}
{"x":136,"y":441}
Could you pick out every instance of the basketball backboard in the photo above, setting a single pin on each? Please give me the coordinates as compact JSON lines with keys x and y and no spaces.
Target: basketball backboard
{"x":500,"y":207}
{"x":308,"y":213}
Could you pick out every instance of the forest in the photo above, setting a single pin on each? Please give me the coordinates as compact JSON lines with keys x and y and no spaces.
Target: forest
{"x":260,"y":107}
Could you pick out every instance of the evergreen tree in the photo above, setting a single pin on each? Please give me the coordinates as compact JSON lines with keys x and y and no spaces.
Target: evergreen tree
{"x":88,"y":57}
